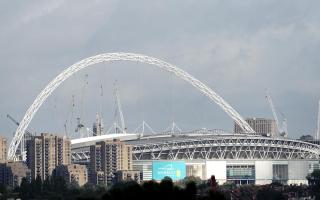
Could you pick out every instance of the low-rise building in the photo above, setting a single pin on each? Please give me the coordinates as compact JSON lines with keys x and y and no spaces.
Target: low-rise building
{"x":127,"y":175}
{"x":97,"y":178}
{"x":12,"y":173}
{"x":72,"y":173}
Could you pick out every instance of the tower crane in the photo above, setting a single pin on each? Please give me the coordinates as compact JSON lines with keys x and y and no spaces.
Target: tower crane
{"x":118,"y":115}
{"x":317,"y":135}
{"x":17,"y":123}
{"x":27,"y":136}
{"x":281,"y":128}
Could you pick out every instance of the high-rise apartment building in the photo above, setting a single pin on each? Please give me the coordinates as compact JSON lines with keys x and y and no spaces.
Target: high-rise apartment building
{"x":3,"y":149}
{"x":106,"y":158}
{"x":261,"y":126}
{"x":45,"y":152}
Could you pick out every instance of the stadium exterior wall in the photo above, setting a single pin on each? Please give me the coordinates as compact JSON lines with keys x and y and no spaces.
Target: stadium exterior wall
{"x":257,"y":172}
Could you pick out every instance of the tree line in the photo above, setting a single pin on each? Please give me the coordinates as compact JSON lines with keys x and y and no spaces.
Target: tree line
{"x":190,"y":188}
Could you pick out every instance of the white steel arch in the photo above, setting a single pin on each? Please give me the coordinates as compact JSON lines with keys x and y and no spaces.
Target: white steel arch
{"x":108,"y":57}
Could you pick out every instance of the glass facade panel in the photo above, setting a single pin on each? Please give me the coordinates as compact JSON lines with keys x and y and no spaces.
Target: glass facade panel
{"x":280,"y":173}
{"x":196,"y":170}
{"x":241,"y":174}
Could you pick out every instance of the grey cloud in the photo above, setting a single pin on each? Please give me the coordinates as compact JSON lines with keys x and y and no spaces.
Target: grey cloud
{"x":236,"y":47}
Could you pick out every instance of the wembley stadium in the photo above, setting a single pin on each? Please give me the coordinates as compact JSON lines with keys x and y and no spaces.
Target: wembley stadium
{"x":240,"y":158}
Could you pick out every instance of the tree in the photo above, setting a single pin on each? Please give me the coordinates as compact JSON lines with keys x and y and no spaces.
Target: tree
{"x":166,"y":185}
{"x":229,"y":185}
{"x":58,"y":184}
{"x":269,"y":194}
{"x":191,"y":190}
{"x":314,"y":178}
{"x":46,"y":186}
{"x":189,"y":179}
{"x":73,"y":185}
{"x":35,"y":187}
{"x":3,"y":189}
{"x":247,"y":192}
{"x":314,"y":182}
{"x":213,"y":183}
{"x":24,"y":190}
{"x":151,"y":190}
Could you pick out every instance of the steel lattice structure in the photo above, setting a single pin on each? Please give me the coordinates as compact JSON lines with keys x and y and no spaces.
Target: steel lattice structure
{"x":109,"y":57}
{"x":217,"y":147}
{"x":228,"y":147}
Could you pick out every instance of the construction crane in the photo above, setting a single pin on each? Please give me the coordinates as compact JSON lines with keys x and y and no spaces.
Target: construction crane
{"x":118,"y":115}
{"x":79,"y":125}
{"x":281,"y":128}
{"x":28,"y":133}
{"x":27,"y":136}
{"x":97,"y":128}
{"x":317,"y":135}
{"x":69,"y":118}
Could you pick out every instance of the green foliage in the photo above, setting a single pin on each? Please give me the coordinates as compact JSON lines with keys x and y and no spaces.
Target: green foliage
{"x":269,"y":194}
{"x":51,"y":188}
{"x":166,"y":185}
{"x":191,"y":190}
{"x":57,"y":188}
{"x":188,"y":179}
{"x":229,"y":185}
{"x":24,"y":188}
{"x":314,"y":178}
{"x":125,"y":190}
{"x":247,"y":192}
{"x":314,"y":182}
{"x":165,"y":190}
{"x":3,"y":189}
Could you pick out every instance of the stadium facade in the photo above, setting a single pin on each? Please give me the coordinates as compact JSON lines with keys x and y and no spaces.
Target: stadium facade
{"x":237,"y":158}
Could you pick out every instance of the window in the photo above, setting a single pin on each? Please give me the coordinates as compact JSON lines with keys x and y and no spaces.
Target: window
{"x":280,"y":173}
{"x":241,"y":174}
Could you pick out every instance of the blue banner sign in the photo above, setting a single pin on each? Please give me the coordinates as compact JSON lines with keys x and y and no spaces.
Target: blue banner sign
{"x":176,"y":170}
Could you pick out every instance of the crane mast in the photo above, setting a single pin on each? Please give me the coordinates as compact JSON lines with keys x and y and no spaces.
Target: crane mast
{"x":118,"y":112}
{"x":26,"y":137}
{"x":281,"y":128}
{"x":317,"y":136}
{"x":274,"y":113}
{"x":285,"y":127}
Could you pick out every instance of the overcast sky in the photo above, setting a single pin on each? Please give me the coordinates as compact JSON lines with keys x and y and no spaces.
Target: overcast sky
{"x":238,"y":48}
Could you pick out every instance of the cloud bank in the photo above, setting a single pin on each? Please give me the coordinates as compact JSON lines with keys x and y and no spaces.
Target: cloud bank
{"x":239,"y":48}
